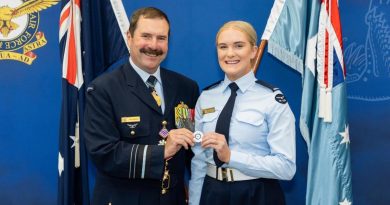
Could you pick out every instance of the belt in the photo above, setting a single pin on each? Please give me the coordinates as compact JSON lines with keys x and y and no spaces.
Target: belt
{"x":226,"y":174}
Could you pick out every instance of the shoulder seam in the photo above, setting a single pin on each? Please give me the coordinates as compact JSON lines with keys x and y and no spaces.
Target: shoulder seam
{"x":212,"y":85}
{"x":267,"y":85}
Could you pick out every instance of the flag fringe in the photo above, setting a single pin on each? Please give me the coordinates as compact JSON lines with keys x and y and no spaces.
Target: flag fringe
{"x":285,"y":56}
{"x":121,"y":17}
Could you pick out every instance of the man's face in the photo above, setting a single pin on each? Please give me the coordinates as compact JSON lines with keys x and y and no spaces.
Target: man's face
{"x":149,"y":44}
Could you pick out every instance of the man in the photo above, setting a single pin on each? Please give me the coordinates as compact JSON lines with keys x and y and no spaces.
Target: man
{"x":127,"y":118}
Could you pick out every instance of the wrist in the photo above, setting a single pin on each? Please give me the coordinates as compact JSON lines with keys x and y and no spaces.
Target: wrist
{"x":166,"y":154}
{"x":228,"y":157}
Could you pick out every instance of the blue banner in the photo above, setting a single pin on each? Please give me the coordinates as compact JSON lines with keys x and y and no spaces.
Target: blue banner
{"x":32,"y":96}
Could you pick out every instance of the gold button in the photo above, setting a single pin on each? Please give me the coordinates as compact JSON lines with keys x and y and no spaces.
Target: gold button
{"x":132,"y":132}
{"x":164,"y":123}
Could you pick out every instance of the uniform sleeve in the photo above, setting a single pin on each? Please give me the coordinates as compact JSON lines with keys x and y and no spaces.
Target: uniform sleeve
{"x":109,"y":153}
{"x":280,"y":162}
{"x":198,"y":164}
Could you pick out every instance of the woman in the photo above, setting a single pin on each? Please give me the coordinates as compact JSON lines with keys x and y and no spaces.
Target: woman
{"x":249,"y":130}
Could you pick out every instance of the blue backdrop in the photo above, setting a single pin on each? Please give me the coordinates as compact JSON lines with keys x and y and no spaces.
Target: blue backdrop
{"x":30,"y":95}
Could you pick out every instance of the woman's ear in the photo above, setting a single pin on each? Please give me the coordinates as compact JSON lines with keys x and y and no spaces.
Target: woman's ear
{"x":254,"y":51}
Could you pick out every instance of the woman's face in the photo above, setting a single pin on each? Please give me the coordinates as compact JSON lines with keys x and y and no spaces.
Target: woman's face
{"x":235,"y":53}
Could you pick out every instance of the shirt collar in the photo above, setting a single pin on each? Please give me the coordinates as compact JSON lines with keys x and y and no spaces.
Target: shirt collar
{"x":145,"y":75}
{"x":243,"y":83}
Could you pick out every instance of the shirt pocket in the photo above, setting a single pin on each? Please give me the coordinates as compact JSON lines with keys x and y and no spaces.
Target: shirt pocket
{"x":136,"y":130}
{"x":209,"y":117}
{"x":250,"y":128}
{"x":208,"y":121}
{"x":250,"y":117}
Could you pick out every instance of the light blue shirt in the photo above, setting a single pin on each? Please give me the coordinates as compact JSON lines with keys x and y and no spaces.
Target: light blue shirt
{"x":145,"y":75}
{"x":262,"y":133}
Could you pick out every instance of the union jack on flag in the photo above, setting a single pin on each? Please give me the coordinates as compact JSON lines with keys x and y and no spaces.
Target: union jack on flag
{"x":72,"y":161}
{"x":86,"y":53}
{"x":70,"y":31}
{"x":330,"y":62}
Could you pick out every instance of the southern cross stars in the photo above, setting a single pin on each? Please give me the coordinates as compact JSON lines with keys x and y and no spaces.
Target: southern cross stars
{"x":345,"y":136}
{"x":345,"y":202}
{"x":75,"y":141}
{"x":60,"y":164}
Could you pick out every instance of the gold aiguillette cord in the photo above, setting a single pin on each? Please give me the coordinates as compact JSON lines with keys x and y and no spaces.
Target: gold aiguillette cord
{"x":166,"y":179}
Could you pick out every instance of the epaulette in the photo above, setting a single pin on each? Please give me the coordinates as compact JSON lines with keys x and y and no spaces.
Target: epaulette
{"x":212,"y":85}
{"x":278,"y":97}
{"x":267,"y":85}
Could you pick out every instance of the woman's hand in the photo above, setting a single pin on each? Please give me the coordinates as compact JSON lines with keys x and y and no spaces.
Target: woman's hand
{"x":218,"y":143}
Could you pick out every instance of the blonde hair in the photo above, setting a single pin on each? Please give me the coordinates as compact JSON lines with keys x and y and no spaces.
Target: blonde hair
{"x":242,"y":26}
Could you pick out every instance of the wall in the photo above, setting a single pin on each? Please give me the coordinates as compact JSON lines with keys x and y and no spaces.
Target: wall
{"x":30,"y":95}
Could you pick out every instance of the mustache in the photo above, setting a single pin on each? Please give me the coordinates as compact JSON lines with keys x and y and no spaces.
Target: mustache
{"x":156,"y":52}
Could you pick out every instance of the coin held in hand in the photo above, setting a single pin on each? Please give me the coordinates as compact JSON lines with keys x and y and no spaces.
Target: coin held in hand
{"x":198,"y":135}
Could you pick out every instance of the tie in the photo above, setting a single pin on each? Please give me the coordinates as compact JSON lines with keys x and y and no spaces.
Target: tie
{"x":151,"y":82}
{"x":223,"y":122}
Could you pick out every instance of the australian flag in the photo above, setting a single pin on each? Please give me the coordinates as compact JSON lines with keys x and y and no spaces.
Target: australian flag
{"x":91,"y":38}
{"x":316,"y":51}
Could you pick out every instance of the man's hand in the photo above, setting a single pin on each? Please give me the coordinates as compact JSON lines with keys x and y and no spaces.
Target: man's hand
{"x":178,"y":138}
{"x":218,"y":143}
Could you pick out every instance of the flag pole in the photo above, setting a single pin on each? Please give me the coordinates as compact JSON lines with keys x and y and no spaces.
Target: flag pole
{"x":259,"y":55}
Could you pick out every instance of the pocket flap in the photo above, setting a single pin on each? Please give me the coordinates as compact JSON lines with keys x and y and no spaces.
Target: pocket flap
{"x":209,"y":117}
{"x":136,"y":130}
{"x":252,"y":117}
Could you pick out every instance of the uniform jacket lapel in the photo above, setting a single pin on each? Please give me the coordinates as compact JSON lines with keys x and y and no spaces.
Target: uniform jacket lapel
{"x":169,"y":89}
{"x":138,"y":87}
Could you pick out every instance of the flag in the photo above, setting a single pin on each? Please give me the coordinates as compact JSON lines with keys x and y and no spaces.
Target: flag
{"x":285,"y":32}
{"x":91,"y":39}
{"x":72,"y":174}
{"x":315,"y":50}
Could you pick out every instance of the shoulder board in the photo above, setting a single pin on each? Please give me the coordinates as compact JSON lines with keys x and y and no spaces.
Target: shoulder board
{"x":267,"y":85}
{"x":212,"y":85}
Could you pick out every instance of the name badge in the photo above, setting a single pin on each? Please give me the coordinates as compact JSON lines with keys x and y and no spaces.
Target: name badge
{"x":131,"y":119}
{"x":208,"y":110}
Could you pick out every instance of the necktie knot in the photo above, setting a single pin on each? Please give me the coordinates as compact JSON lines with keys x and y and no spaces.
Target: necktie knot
{"x":233,"y":87}
{"x":151,"y":81}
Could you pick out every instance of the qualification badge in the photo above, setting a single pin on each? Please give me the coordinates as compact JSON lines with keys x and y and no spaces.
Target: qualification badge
{"x":131,"y":122}
{"x":184,"y":117}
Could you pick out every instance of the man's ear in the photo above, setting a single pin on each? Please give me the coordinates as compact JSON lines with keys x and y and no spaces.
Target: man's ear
{"x":128,"y":37}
